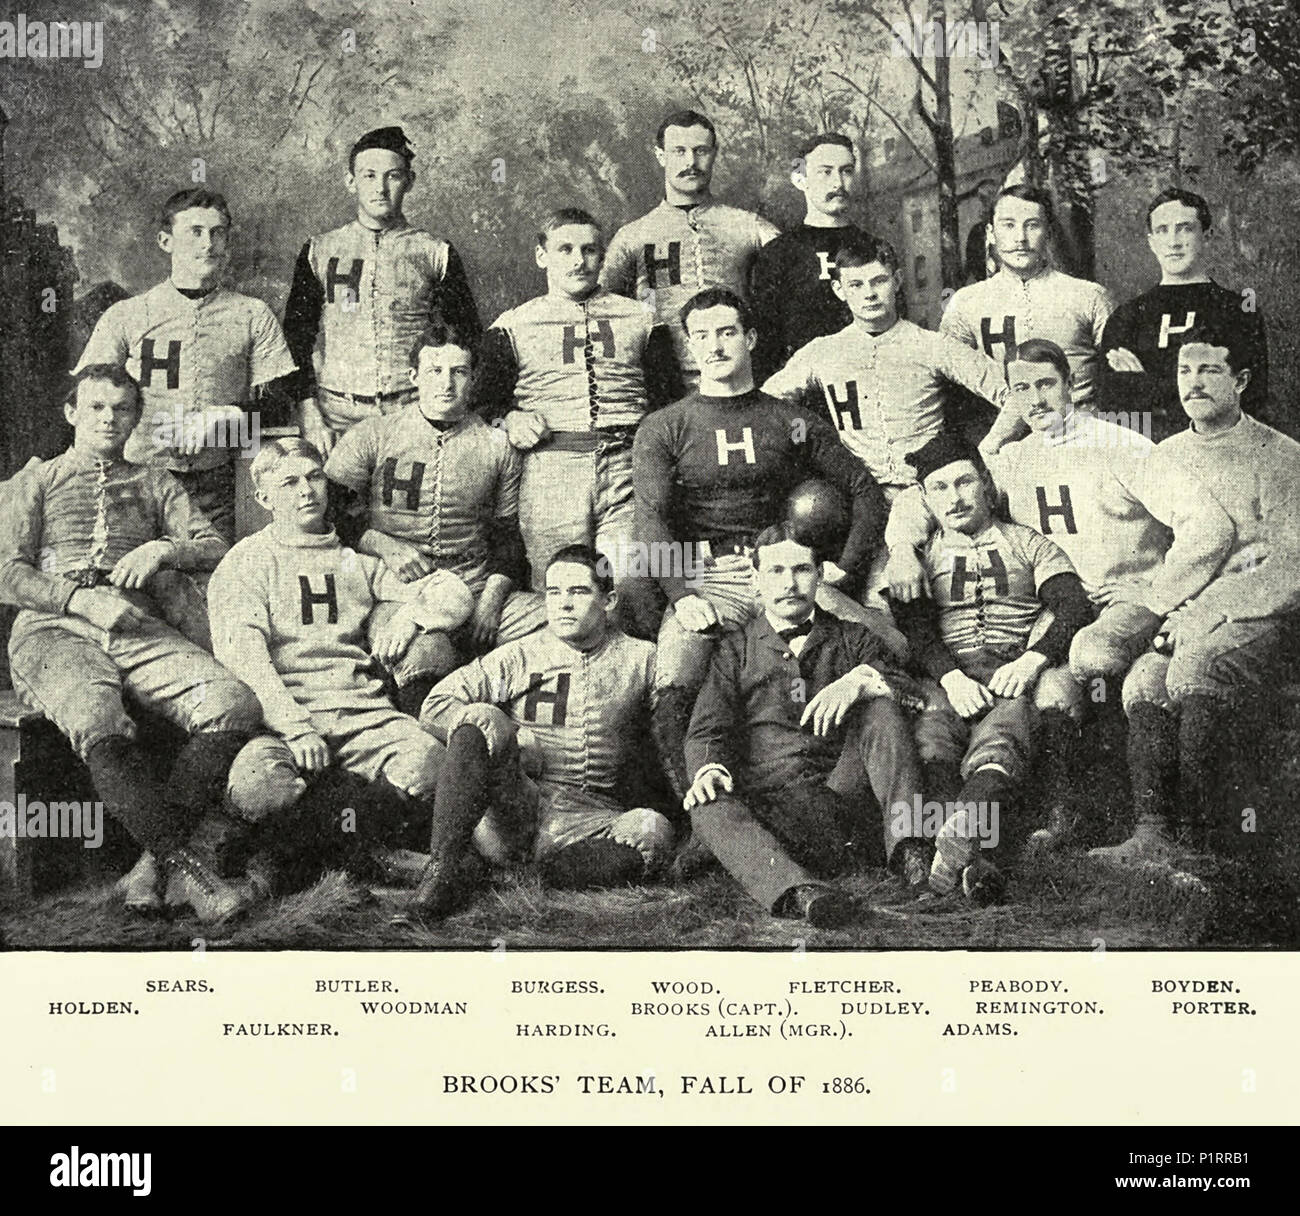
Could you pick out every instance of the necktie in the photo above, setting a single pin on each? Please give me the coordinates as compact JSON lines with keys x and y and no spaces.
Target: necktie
{"x":797,"y":631}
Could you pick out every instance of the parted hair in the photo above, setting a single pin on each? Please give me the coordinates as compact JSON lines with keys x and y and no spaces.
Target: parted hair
{"x":271,"y":453}
{"x":563,"y":216}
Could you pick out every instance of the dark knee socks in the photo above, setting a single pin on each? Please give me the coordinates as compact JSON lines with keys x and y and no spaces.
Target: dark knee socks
{"x":1152,"y":761}
{"x":672,"y":718}
{"x":462,"y":797}
{"x":125,"y":779}
{"x":1200,"y":729}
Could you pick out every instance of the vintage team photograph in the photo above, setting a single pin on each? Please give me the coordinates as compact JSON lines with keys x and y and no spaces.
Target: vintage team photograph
{"x":671,"y":474}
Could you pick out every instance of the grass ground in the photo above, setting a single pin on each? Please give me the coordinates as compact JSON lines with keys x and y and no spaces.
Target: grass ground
{"x":1063,"y":903}
{"x":1249,"y":900}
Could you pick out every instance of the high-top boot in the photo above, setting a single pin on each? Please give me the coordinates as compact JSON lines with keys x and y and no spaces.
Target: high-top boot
{"x":460,"y":802}
{"x":1152,"y":760}
{"x":1060,"y":749}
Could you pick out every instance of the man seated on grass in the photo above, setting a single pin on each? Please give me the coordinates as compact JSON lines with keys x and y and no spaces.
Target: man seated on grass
{"x":83,"y":538}
{"x":989,"y":582}
{"x":540,"y":734}
{"x":432,"y":487}
{"x":795,"y":744}
{"x":289,"y":607}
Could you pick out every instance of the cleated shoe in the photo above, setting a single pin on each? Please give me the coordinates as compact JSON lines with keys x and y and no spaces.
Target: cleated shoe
{"x":142,"y":888}
{"x":192,"y":881}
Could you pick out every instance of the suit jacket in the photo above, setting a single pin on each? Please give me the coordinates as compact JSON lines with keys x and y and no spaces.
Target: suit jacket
{"x":748,"y":711}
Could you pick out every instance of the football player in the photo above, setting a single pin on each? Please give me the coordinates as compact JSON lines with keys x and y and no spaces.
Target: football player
{"x":432,"y":487}
{"x":83,"y":538}
{"x":886,"y":383}
{"x":368,"y":290}
{"x":540,"y":734}
{"x":1028,"y":298}
{"x":688,"y":242}
{"x":1231,"y":641}
{"x":989,"y":582}
{"x":795,"y":299}
{"x":572,"y":373}
{"x":289,"y":607}
{"x":198,"y":351}
{"x":1143,"y":335}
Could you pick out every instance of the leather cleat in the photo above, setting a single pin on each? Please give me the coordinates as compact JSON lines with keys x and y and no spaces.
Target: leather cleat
{"x":1151,"y":844}
{"x":142,"y":888}
{"x":399,"y":867}
{"x":442,"y":886}
{"x":983,"y":884}
{"x":822,"y":907}
{"x":192,"y":881}
{"x":1058,"y":833}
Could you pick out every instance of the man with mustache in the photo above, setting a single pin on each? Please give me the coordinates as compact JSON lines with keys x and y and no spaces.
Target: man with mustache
{"x":711,"y":472}
{"x":1143,"y":535}
{"x":198,"y":351}
{"x":688,"y":242}
{"x":1143,"y":335}
{"x":796,"y":743}
{"x":368,"y":289}
{"x":794,"y":290}
{"x":1028,"y":298}
{"x":1233,"y":640}
{"x":989,"y":583}
{"x":569,"y":376}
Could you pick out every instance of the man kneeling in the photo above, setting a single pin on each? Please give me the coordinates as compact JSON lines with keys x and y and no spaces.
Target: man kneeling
{"x":538,"y":733}
{"x":797,"y":717}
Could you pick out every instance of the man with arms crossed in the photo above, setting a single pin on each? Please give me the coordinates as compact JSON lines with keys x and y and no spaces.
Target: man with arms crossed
{"x":1143,"y":335}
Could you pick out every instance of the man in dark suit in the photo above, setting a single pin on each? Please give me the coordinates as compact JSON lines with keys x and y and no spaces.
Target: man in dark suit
{"x":796,"y":743}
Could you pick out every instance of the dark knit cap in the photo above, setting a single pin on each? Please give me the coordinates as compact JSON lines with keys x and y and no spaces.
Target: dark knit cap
{"x":944,"y":449}
{"x":391,"y":139}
